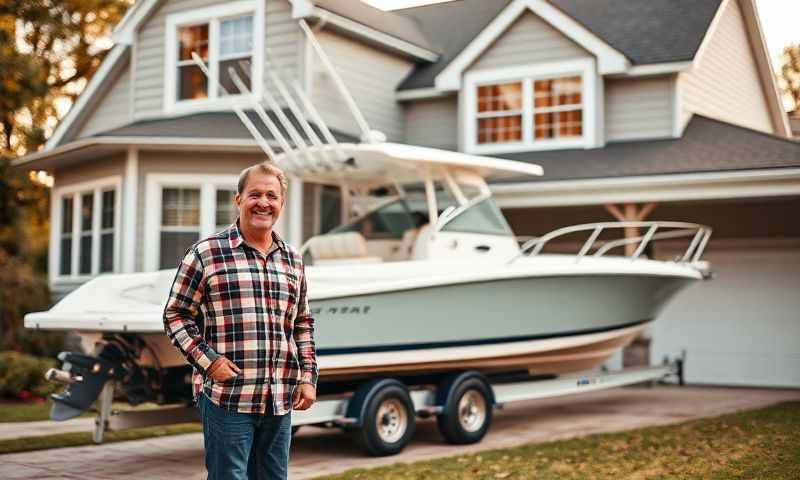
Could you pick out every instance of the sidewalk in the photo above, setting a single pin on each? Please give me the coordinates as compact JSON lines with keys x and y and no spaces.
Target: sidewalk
{"x":45,"y":427}
{"x":319,"y":451}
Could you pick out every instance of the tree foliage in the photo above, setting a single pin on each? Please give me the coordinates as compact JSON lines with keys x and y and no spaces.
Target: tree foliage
{"x":48,"y":51}
{"x":789,"y":77}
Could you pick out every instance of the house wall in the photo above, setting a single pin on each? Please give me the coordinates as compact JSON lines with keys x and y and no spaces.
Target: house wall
{"x":724,"y":83}
{"x":527,"y":41}
{"x":371,"y":76}
{"x":89,"y":171}
{"x":113,"y":110}
{"x":432,"y":123}
{"x":281,"y":41}
{"x":639,"y":108}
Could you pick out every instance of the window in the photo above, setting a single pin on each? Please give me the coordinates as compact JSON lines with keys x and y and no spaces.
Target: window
{"x":530,"y":108}
{"x":225,"y":37}
{"x":483,"y":217}
{"x":181,"y":209}
{"x":226,"y":212}
{"x":86,"y":223}
{"x":180,"y":224}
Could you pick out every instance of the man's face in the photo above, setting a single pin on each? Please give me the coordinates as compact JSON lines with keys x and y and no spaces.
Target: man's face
{"x":260,"y":202}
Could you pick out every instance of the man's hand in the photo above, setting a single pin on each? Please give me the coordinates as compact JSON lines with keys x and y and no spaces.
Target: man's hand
{"x":223,"y":369}
{"x":304,"y":396}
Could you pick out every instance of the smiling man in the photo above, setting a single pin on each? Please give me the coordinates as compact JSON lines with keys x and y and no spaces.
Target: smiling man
{"x":238,"y":311}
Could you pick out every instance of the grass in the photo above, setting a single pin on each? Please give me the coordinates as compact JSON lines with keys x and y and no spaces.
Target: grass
{"x":77,"y":439}
{"x":37,"y":411}
{"x":763,"y":443}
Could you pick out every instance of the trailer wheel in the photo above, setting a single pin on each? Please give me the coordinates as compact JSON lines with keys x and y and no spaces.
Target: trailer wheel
{"x":387,"y":422}
{"x":467,"y":414}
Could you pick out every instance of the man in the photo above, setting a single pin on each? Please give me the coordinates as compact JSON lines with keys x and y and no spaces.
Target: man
{"x":238,"y":311}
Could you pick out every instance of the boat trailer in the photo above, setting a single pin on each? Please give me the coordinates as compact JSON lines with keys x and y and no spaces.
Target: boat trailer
{"x":381,"y":412}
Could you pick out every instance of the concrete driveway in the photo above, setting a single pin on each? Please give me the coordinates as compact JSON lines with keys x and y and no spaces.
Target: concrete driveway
{"x":319,"y":451}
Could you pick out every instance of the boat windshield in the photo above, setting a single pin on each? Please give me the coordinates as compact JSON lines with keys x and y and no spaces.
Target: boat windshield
{"x":483,"y":217}
{"x":387,"y":222}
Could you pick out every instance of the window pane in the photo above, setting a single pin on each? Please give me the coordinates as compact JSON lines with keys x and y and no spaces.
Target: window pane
{"x":65,"y":265}
{"x":236,"y":36}
{"x":108,"y":209}
{"x":193,"y":39}
{"x":496,"y":98}
{"x":180,"y":207}
{"x":500,"y":129}
{"x":85,"y":261}
{"x":557,"y":92}
{"x":173,"y":247}
{"x":192,"y":83}
{"x":66,"y":215}
{"x":569,"y":123}
{"x":107,"y":252}
{"x":242,"y":68}
{"x":544,"y":125}
{"x":226,"y":211}
{"x":87,"y":206}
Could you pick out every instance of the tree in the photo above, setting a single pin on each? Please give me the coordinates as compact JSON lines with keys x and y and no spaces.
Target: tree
{"x":49,"y":49}
{"x":789,"y":78}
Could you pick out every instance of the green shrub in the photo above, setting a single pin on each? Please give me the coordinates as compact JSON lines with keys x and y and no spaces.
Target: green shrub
{"x":24,"y":373}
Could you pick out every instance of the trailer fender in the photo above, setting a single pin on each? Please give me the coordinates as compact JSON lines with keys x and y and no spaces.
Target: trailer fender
{"x":445,"y":390}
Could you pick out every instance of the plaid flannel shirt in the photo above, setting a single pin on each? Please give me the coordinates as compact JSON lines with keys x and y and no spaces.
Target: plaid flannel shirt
{"x":230,"y":299}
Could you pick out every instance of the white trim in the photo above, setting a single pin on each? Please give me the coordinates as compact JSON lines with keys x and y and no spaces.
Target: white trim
{"x":154,"y":183}
{"x":295,"y":207}
{"x":212,"y":15}
{"x":678,"y":124}
{"x":609,"y":60}
{"x":364,"y":31}
{"x":109,"y":63}
{"x":591,"y":102}
{"x":657,"y":69}
{"x":125,"y":31}
{"x":420,"y":94}
{"x":130,"y":195}
{"x":655,"y":188}
{"x":97,"y":187}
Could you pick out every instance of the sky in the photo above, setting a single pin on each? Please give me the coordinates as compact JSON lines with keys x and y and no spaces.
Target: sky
{"x":780,"y":20}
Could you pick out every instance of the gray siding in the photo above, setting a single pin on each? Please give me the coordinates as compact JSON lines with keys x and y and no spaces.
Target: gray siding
{"x":527,"y":41}
{"x":113,"y":110}
{"x":639,"y":108}
{"x":370,"y":74}
{"x":92,"y":170}
{"x":281,"y":32}
{"x":432,"y":123}
{"x":725,"y":84}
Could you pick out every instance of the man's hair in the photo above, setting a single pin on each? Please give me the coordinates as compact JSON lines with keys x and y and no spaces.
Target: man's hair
{"x":264,"y":167}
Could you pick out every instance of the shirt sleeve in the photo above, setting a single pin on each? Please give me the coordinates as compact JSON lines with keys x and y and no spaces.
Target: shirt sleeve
{"x":304,"y":335}
{"x":183,"y":309}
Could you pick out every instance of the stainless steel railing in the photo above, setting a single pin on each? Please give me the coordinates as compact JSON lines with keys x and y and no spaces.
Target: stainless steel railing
{"x":699,"y":234}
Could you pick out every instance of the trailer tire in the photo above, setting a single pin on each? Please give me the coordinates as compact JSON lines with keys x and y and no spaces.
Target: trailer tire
{"x":467,"y":401}
{"x":387,"y":421}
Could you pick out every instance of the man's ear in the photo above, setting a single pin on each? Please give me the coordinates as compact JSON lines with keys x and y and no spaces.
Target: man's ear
{"x":237,"y":200}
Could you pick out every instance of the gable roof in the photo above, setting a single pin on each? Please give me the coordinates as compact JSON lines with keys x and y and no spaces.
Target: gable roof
{"x":707,"y":145}
{"x":648,"y":32}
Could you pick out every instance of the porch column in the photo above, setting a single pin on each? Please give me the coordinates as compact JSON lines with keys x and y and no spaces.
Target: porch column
{"x":129,"y":209}
{"x":630,"y":212}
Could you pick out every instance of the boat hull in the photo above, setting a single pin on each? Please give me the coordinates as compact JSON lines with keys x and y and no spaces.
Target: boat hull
{"x":546,"y":325}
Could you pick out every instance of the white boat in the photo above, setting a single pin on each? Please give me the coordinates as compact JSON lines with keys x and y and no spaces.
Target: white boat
{"x":425,"y":277}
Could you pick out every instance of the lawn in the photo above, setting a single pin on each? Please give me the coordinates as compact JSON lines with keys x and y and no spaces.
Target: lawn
{"x":24,"y":411}
{"x":762,"y":443}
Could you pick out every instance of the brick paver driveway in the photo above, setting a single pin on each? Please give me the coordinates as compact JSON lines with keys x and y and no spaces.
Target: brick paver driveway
{"x":319,"y":451}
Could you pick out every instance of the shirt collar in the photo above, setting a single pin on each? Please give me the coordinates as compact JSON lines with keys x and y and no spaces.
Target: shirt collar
{"x":236,"y":238}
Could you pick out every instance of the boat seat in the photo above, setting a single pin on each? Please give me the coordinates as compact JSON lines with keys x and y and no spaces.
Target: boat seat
{"x":340,"y":248}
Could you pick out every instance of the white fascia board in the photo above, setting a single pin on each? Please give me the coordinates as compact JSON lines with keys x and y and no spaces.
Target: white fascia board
{"x":125,"y":31}
{"x":609,"y":60}
{"x":657,"y":69}
{"x":655,"y":188}
{"x":116,"y":54}
{"x":394,"y":43}
{"x":420,"y":94}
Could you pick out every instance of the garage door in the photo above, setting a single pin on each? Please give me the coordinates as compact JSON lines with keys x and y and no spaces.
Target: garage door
{"x":742,"y":327}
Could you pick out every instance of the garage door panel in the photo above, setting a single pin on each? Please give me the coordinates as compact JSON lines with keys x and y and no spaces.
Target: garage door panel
{"x":742,"y":327}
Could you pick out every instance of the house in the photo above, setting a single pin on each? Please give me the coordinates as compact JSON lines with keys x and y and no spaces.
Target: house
{"x":666,"y":109}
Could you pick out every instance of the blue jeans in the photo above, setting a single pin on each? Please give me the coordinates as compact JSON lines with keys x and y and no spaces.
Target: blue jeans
{"x":244,"y":445}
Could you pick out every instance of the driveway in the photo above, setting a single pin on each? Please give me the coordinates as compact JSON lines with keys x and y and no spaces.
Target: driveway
{"x":319,"y":451}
